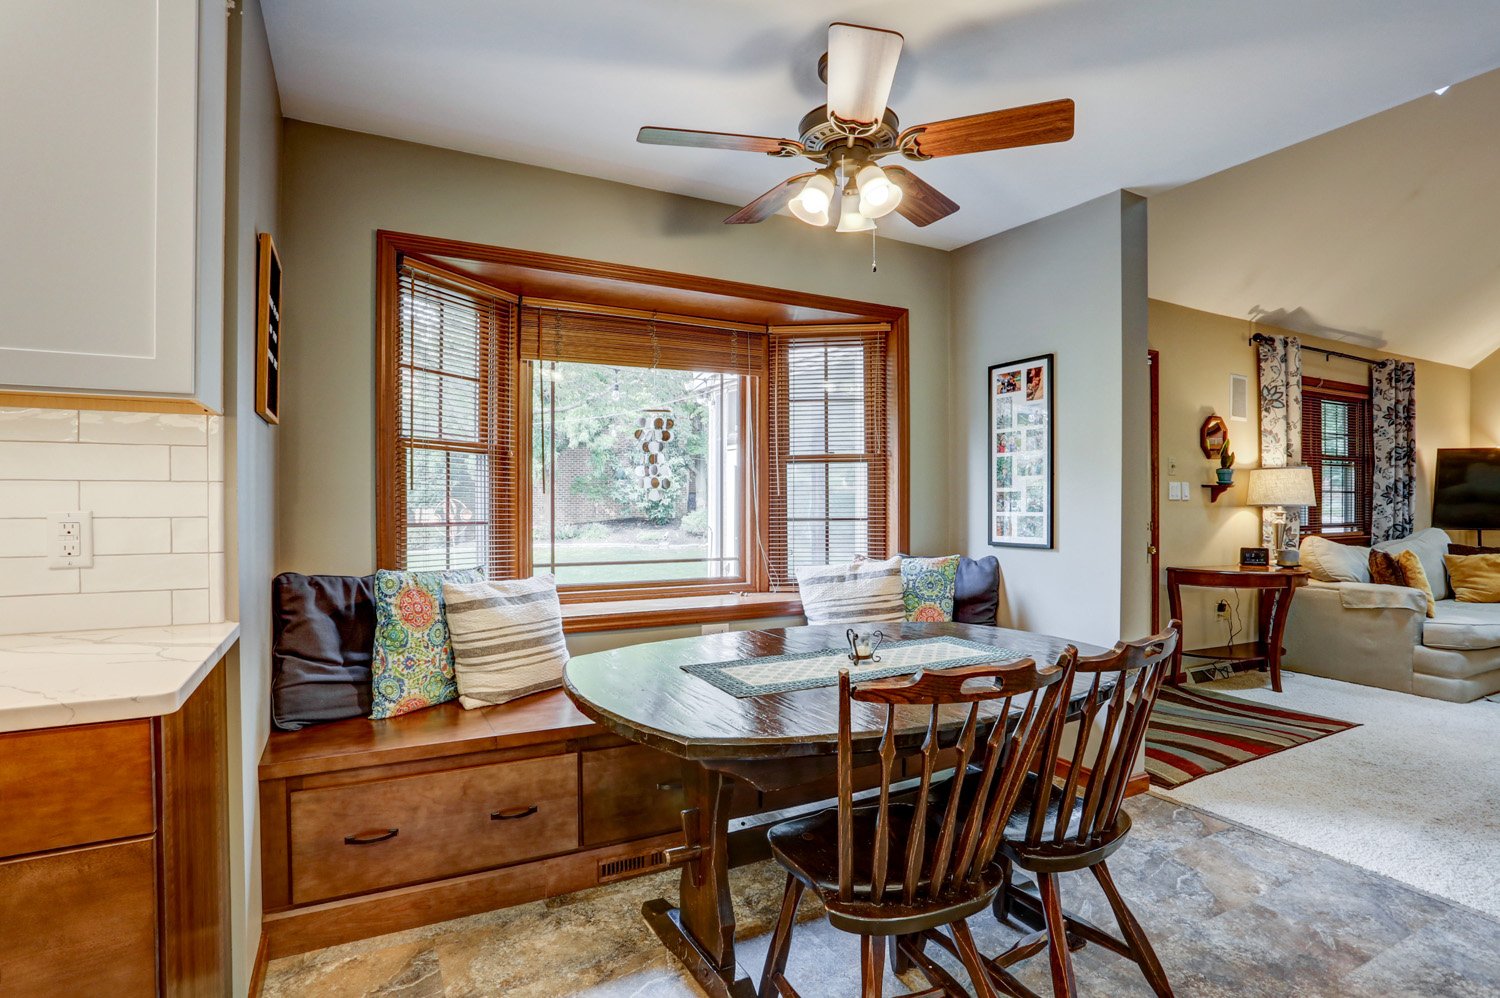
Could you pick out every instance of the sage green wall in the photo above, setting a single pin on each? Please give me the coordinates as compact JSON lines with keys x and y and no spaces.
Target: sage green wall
{"x":340,"y":187}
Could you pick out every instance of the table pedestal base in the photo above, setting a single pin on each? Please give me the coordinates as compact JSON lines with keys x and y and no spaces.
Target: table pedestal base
{"x":666,"y":922}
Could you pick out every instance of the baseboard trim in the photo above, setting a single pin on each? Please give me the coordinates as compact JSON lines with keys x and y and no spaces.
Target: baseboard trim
{"x":258,"y":969}
{"x":298,"y":930}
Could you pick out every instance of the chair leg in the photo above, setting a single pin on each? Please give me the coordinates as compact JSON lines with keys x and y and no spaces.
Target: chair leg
{"x":1001,"y":906}
{"x":1063,"y":981}
{"x":872,"y":966}
{"x":1134,"y":934}
{"x":781,"y":939}
{"x":900,"y":962}
{"x":973,"y":962}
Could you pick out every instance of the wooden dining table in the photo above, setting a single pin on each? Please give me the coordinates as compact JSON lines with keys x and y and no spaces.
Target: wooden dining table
{"x":771,"y":742}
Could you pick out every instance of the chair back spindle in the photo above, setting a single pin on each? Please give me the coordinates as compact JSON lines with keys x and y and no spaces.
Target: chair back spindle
{"x":951,"y":848}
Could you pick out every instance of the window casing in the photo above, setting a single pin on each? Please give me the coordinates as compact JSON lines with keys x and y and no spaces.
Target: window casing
{"x":1338,"y":445}
{"x":805,"y":463}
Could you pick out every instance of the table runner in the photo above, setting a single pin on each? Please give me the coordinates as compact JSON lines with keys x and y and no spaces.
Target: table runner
{"x":749,"y":677}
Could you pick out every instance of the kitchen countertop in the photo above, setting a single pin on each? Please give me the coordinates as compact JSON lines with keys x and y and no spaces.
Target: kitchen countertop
{"x":81,"y":677}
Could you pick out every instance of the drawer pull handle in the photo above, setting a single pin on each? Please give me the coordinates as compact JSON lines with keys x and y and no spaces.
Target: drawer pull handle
{"x":669,"y":787}
{"x":511,"y":814}
{"x":370,"y":838}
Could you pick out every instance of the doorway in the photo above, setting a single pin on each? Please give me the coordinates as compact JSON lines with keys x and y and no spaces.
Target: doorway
{"x":1153,"y":549}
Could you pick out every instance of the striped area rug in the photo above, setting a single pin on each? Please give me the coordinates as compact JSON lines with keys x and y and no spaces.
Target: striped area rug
{"x":1195,"y":732}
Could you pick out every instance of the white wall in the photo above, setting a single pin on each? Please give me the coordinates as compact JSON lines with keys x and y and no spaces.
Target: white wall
{"x":1072,"y":284}
{"x":253,"y":189}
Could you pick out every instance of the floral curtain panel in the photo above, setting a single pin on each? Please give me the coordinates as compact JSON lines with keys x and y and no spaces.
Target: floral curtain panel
{"x":1393,"y":388}
{"x":1280,"y":419}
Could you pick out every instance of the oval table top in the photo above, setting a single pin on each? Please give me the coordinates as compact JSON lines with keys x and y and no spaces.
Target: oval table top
{"x":641,"y":692}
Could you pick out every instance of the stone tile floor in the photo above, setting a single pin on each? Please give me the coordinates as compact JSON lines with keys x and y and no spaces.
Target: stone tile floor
{"x":1230,"y":911}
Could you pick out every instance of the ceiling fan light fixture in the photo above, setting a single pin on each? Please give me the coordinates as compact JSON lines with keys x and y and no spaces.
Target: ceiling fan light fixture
{"x":878,"y":196}
{"x":850,"y":217}
{"x":812,"y":202}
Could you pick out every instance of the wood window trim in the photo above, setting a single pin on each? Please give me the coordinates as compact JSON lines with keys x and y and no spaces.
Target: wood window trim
{"x":1323,"y":388}
{"x":598,"y":285}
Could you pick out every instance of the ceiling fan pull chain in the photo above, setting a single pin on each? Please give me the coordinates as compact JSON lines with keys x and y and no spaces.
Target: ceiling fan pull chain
{"x":874,"y":263}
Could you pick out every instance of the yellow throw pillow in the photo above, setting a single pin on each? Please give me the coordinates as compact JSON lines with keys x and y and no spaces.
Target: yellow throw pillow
{"x":1416,"y":577}
{"x":1476,"y":577}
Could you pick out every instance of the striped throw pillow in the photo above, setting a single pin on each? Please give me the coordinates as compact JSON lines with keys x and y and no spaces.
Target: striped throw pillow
{"x":854,"y":593}
{"x":507,"y":638}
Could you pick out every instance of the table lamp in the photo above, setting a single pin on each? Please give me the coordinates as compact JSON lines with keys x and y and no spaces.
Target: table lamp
{"x":1275,"y":489}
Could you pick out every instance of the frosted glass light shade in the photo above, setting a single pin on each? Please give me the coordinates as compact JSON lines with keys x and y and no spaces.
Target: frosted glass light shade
{"x":878,"y":197}
{"x":1281,"y":487}
{"x":850,"y":220}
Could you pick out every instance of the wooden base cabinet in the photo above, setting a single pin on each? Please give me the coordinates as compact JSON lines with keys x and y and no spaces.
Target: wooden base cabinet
{"x":114,"y":873}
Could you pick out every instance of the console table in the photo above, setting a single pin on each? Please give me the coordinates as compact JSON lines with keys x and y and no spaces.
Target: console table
{"x":1276,"y":586}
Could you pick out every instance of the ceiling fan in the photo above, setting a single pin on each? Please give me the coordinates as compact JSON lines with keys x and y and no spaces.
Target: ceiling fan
{"x":846,"y":137}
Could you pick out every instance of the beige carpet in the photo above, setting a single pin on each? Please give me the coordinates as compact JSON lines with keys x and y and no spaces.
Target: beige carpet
{"x":1414,"y":793}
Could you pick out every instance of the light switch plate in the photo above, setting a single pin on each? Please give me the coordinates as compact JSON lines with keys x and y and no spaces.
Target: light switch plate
{"x":70,"y":539}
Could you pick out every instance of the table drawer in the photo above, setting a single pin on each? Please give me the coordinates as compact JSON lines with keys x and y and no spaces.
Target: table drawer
{"x":369,"y":836}
{"x":71,"y":786}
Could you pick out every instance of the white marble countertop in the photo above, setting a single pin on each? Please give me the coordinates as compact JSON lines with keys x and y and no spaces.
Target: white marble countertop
{"x":81,"y":677}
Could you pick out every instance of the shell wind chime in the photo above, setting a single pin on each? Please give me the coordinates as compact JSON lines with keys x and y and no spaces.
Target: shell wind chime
{"x":653,"y":433}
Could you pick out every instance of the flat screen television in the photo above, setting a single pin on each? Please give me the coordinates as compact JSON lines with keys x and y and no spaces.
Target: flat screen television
{"x":1466,"y":495}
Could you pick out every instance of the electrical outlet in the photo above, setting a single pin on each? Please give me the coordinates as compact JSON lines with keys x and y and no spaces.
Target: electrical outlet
{"x":70,"y":539}
{"x":1221,"y":610}
{"x":716,"y":628}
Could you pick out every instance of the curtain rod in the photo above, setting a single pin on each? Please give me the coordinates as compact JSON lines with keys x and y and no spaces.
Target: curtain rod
{"x":1260,"y":338}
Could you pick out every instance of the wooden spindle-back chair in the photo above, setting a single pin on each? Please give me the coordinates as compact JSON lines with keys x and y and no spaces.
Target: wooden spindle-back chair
{"x":893,"y":867}
{"x":1077,"y":822}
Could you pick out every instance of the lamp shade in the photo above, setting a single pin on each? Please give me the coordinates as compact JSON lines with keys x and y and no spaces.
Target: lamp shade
{"x":1281,"y":487}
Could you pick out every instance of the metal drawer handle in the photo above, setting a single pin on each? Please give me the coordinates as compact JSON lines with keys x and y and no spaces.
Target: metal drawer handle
{"x":511,"y":814}
{"x":370,"y":838}
{"x":669,"y":786}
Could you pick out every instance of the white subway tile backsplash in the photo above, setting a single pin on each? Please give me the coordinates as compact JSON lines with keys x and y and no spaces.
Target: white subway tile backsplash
{"x":31,"y":576}
{"x":190,"y":606}
{"x":144,"y":498}
{"x":125,"y":572}
{"x":154,"y":484}
{"x":38,"y":424}
{"x":118,"y":535}
{"x":190,"y":533}
{"x":23,"y":538}
{"x":107,"y":462}
{"x":189,"y":464}
{"x":24,"y":614}
{"x":31,"y":499}
{"x":143,"y":428}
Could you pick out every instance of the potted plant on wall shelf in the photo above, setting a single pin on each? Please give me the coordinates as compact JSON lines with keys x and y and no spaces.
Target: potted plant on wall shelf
{"x":1226,"y":467}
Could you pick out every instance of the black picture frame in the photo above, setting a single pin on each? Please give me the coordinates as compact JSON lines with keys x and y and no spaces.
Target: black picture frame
{"x":1022,"y":452}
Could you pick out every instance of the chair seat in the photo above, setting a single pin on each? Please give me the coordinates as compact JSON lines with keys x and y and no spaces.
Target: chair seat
{"x":807,"y":846}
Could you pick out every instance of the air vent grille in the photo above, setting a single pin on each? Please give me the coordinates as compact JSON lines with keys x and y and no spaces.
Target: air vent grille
{"x":630,"y":866}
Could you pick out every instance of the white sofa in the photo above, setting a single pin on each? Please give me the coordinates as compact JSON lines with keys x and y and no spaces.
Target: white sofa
{"x":1344,"y":627}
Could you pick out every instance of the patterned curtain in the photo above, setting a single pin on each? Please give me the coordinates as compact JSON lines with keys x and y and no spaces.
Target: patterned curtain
{"x":1393,"y":404}
{"x":1280,"y":420}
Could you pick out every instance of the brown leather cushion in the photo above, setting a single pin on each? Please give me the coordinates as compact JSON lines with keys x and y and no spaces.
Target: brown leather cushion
{"x":323,"y":635}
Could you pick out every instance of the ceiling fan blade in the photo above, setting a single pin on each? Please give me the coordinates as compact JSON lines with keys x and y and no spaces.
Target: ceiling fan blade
{"x":861,"y":67}
{"x":768,"y":203}
{"x":921,"y":203}
{"x":655,"y":136}
{"x":1034,"y":124}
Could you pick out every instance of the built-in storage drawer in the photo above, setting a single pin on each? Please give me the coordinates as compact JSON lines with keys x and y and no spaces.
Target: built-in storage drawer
{"x":79,"y":922}
{"x":629,"y":793}
{"x":71,"y":786}
{"x":367,"y":836}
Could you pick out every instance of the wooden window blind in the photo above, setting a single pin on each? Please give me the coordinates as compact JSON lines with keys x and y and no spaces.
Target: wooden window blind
{"x":456,"y":486}
{"x":829,"y":475}
{"x":640,"y":341}
{"x":1338,"y":445}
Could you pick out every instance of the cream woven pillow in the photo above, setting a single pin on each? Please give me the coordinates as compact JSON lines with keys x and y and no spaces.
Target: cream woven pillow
{"x":507,"y":638}
{"x":854,"y":593}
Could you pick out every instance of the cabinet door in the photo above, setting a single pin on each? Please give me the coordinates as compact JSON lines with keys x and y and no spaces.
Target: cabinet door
{"x":80,"y":922}
{"x":104,"y":271}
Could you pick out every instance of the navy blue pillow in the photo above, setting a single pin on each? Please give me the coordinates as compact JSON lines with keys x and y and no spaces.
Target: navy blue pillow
{"x":977,"y":597}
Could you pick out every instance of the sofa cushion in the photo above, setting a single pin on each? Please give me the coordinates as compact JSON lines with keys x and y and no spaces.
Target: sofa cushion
{"x":1475,"y":578}
{"x":1463,"y":626}
{"x":976,"y":598}
{"x":322,"y":632}
{"x":1330,"y":561}
{"x":1415,"y":575}
{"x":1384,"y":571}
{"x":1430,"y":545}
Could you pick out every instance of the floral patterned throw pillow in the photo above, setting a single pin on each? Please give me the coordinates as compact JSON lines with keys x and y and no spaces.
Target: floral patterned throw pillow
{"x":413,"y":661}
{"x":928,"y":586}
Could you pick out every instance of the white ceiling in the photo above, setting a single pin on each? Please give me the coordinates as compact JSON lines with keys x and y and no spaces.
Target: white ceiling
{"x":1385,"y":233}
{"x":1167,"y":90}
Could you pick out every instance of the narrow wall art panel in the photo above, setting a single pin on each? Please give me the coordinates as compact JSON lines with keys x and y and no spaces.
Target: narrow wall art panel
{"x":1021,"y":453}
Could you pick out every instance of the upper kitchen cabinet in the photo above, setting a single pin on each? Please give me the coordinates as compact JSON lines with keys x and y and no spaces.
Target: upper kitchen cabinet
{"x":112,"y":211}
